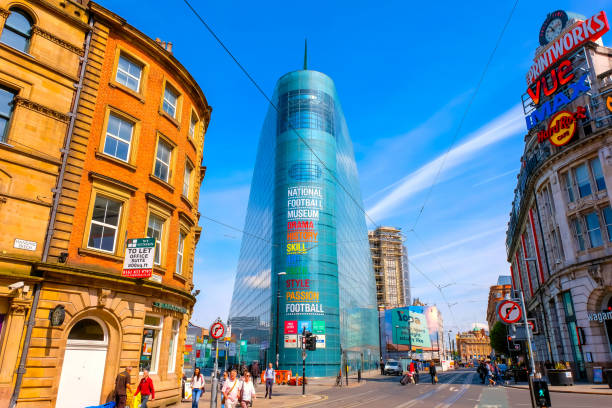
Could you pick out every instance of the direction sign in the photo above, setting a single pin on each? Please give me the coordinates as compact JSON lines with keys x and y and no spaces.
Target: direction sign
{"x":509,"y":311}
{"x":217,"y":329}
{"x":138,"y":261}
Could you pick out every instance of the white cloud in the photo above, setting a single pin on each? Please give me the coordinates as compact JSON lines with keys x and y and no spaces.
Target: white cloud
{"x":506,"y":125}
{"x":459,"y":242}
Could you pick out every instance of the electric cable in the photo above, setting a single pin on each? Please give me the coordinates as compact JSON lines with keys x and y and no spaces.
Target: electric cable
{"x":463,"y":117}
{"x":273,"y":105}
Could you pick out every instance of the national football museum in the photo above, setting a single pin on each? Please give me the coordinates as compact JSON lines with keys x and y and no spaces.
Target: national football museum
{"x":305,"y":260}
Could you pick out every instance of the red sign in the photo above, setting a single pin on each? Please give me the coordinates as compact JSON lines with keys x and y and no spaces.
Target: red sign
{"x":291,"y":326}
{"x":578,"y":34}
{"x":217,"y":330}
{"x":509,"y":312}
{"x":559,"y":76}
{"x":562,"y":127}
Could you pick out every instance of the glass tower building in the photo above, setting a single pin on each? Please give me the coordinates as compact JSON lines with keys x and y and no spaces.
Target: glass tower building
{"x":305,"y":260}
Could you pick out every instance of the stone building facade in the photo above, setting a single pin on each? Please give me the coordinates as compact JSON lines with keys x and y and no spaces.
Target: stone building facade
{"x":497,"y":293}
{"x":559,"y":237}
{"x":41,"y":43}
{"x":129,"y":167}
{"x":473,"y":344}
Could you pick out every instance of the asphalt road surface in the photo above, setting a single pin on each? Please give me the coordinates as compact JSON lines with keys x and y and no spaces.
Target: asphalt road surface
{"x":460,"y":389}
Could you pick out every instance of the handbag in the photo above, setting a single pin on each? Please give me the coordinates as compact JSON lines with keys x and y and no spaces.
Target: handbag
{"x":436,"y":379}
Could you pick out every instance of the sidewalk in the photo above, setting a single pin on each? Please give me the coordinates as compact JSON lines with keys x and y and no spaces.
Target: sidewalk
{"x":581,"y":388}
{"x":286,"y":396}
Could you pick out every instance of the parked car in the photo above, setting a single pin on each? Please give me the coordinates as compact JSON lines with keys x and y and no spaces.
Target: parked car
{"x":393,"y":367}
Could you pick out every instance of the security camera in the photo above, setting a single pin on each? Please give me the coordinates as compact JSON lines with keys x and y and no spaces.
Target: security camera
{"x":16,"y":285}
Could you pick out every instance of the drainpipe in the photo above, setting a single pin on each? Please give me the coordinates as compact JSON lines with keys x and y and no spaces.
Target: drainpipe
{"x":56,"y":197}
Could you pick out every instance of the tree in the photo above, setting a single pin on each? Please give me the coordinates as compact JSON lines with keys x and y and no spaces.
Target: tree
{"x":499,"y":338}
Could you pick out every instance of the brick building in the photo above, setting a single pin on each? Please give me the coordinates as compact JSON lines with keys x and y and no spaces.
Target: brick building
{"x":129,"y":167}
{"x":496,"y":294}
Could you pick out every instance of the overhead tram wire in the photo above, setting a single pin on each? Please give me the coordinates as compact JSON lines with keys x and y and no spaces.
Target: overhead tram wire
{"x":261,"y":91}
{"x":463,"y":117}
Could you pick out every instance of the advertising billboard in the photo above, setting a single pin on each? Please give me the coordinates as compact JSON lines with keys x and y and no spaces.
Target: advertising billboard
{"x":415,"y":329}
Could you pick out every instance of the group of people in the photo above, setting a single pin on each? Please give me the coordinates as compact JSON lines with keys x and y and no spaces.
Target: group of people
{"x":488,"y":371}
{"x":235,"y":391}
{"x":122,"y":384}
{"x":412,"y":374}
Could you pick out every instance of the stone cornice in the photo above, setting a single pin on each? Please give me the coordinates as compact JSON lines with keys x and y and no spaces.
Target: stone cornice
{"x":4,"y":12}
{"x":36,"y":107}
{"x":62,"y":43}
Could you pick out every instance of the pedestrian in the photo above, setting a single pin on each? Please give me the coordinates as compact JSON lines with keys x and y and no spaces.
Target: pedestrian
{"x":432,"y":372}
{"x":243,"y":369}
{"x":221,"y":384}
{"x":231,"y":390}
{"x":122,"y":384}
{"x":269,"y":376}
{"x":482,"y":371}
{"x":197,"y":387}
{"x":256,"y":372}
{"x":247,"y":392}
{"x":416,"y":372}
{"x":382,"y":367}
{"x":145,"y":388}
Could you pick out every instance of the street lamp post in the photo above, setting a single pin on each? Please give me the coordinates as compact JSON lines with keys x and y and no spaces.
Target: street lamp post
{"x":450,"y":344}
{"x":278,"y":298}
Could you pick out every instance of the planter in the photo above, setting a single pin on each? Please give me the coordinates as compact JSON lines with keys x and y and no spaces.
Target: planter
{"x":609,"y":377}
{"x":560,"y":377}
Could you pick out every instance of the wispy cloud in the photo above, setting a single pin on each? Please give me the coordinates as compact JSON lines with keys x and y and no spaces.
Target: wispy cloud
{"x":459,"y":242}
{"x":504,"y":126}
{"x":496,"y":177}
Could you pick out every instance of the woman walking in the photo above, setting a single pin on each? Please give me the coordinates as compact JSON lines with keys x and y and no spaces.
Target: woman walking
{"x":145,"y":388}
{"x":247,"y":392}
{"x":432,"y":372}
{"x":197,"y":387}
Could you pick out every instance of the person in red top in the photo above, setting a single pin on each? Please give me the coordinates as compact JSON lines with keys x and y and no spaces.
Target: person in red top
{"x":145,"y":387}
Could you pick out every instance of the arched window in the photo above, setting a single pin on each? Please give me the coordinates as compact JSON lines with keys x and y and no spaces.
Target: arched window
{"x":17,"y":30}
{"x":87,"y":330}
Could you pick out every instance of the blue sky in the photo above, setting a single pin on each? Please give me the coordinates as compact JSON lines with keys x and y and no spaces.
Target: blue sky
{"x":404,"y":72}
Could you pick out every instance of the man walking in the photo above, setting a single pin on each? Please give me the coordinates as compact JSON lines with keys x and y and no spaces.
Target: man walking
{"x":432,"y":372}
{"x":122,"y":383}
{"x":269,"y":376}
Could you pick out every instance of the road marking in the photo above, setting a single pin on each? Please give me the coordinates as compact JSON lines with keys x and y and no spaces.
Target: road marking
{"x":450,"y":401}
{"x":428,"y":394}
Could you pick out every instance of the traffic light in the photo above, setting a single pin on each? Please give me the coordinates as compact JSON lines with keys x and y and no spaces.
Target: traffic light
{"x":541,"y":395}
{"x":310,"y":341}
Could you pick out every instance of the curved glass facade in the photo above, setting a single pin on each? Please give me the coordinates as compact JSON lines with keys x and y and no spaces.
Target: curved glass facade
{"x":305,"y":254}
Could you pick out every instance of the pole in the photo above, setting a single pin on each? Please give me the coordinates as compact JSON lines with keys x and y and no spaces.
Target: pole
{"x":304,"y":372}
{"x":532,"y":362}
{"x":226,"y":353}
{"x":450,"y":344}
{"x":215,"y":380}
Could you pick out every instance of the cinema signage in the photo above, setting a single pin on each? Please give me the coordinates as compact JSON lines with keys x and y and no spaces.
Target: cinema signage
{"x":562,"y":127}
{"x":575,"y":36}
{"x":552,"y":106}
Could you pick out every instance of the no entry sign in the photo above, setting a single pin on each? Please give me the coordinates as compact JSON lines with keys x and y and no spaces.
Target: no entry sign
{"x":138,"y":261}
{"x":509,"y":311}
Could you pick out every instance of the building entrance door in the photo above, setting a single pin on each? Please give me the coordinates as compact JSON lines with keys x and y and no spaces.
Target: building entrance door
{"x":83,"y":369}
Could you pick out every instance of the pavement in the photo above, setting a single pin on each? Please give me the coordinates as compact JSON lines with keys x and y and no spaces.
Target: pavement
{"x":458,"y":389}
{"x":597,"y":389}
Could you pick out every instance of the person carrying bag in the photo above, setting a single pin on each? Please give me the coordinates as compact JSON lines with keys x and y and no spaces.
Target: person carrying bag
{"x":247,"y":392}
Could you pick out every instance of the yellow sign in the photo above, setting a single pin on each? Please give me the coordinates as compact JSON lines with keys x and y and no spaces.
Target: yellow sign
{"x":562,"y":128}
{"x":609,"y":103}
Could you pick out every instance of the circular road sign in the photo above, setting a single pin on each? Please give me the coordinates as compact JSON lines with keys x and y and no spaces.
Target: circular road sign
{"x":217,"y":330}
{"x":509,"y":311}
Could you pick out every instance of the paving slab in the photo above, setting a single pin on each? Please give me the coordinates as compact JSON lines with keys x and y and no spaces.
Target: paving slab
{"x":596,"y":389}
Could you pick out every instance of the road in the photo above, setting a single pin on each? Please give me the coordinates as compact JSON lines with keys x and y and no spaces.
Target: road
{"x":457,"y":389}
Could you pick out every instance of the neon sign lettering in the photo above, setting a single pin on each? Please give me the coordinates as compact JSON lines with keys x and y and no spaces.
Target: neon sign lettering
{"x":559,"y":76}
{"x":550,"y":107}
{"x":580,"y":33}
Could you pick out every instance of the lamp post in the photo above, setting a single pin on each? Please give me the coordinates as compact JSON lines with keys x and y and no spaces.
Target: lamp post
{"x":278,"y":298}
{"x":450,"y":344}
